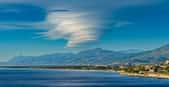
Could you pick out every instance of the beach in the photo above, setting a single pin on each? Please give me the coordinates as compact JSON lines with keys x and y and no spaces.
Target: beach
{"x":151,"y":75}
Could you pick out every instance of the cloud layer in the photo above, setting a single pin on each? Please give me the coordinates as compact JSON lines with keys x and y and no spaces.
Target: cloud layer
{"x":75,"y":21}
{"x":71,"y":26}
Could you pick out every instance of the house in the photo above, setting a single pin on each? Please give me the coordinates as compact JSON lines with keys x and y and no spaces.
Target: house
{"x":166,"y":62}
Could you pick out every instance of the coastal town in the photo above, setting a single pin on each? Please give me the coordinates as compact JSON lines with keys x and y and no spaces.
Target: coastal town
{"x":146,"y":70}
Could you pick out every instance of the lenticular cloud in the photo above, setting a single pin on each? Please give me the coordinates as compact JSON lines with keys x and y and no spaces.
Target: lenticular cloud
{"x":71,"y":26}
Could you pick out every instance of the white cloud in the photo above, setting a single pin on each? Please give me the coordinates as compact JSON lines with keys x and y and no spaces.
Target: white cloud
{"x":76,"y":27}
{"x":71,"y":26}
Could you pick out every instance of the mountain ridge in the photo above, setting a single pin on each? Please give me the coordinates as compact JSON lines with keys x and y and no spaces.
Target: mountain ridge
{"x":94,"y":56}
{"x":90,"y":56}
{"x":152,"y":56}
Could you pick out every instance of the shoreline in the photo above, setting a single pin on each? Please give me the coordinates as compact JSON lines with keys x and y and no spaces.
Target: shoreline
{"x":146,"y":75}
{"x":65,"y":69}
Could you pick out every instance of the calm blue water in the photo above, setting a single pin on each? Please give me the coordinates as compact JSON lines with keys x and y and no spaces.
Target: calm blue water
{"x":59,"y":78}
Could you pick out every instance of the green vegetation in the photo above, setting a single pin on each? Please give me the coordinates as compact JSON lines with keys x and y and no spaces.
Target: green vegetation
{"x":162,"y":68}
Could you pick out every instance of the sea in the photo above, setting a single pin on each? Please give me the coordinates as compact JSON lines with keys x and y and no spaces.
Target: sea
{"x":69,"y":78}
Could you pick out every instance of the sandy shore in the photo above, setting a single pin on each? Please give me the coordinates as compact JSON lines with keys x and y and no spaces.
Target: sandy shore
{"x":84,"y":70}
{"x":152,"y":75}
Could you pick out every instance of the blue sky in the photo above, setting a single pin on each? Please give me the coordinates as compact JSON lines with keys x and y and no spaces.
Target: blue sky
{"x":35,"y":27}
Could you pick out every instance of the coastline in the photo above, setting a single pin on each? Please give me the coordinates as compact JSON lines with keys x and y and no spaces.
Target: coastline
{"x":146,"y":75}
{"x":94,"y":70}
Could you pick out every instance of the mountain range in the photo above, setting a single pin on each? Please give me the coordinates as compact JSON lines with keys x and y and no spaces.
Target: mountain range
{"x":95,"y":56}
{"x":91,"y":56}
{"x":152,"y":56}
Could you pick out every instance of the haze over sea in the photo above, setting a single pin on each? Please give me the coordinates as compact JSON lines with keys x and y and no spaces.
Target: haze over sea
{"x":62,"y":78}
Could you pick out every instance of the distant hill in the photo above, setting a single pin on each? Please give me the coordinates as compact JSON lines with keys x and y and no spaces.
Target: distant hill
{"x":51,"y":59}
{"x":94,"y":56}
{"x":153,"y":56}
{"x":91,"y":56}
{"x":98,"y":56}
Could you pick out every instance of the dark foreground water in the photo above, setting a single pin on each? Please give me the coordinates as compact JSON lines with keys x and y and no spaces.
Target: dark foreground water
{"x":60,"y":78}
